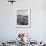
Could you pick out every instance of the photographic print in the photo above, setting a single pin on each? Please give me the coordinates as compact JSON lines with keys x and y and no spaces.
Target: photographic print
{"x":23,"y":17}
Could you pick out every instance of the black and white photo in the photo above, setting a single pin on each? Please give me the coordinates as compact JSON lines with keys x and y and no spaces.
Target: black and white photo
{"x":22,"y":20}
{"x":23,"y":17}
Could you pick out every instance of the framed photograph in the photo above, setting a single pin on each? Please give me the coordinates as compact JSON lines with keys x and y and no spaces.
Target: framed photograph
{"x":23,"y":17}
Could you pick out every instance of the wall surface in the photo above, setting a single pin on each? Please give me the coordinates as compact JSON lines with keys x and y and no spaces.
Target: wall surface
{"x":8,"y":28}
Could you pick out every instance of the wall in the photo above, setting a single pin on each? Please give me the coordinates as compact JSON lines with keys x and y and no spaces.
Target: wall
{"x":8,"y":28}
